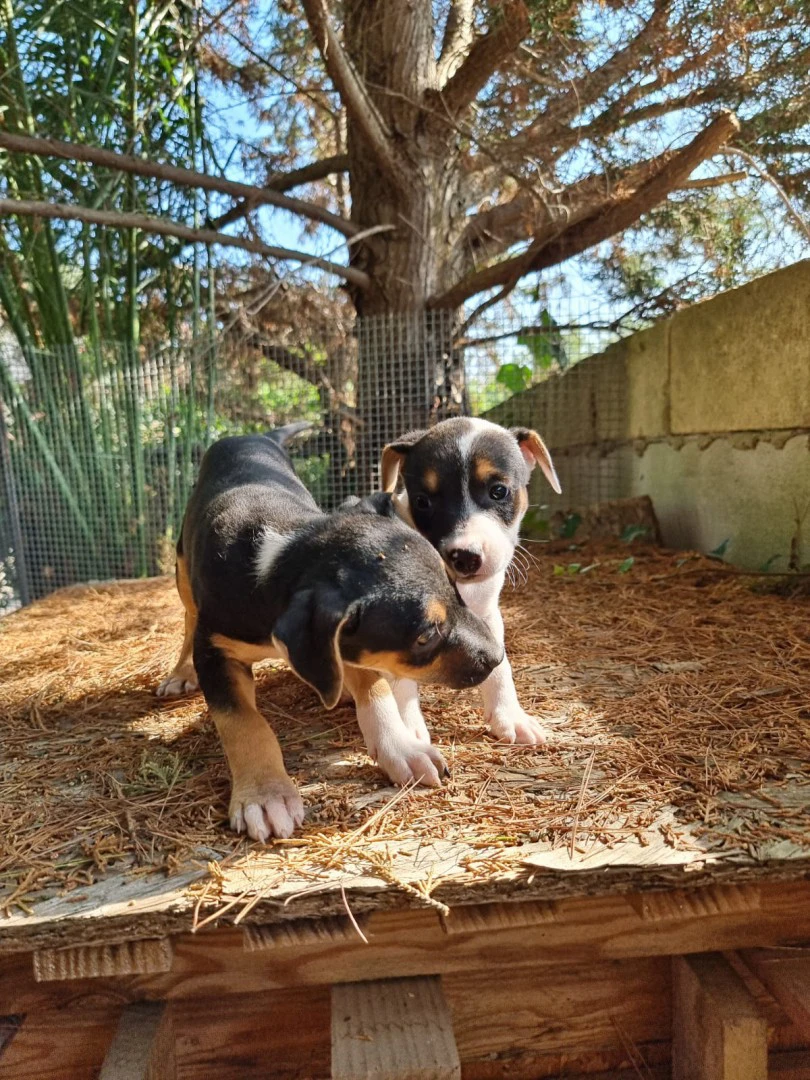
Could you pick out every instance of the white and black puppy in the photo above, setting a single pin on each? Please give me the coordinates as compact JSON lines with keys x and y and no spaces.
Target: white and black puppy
{"x":464,"y":487}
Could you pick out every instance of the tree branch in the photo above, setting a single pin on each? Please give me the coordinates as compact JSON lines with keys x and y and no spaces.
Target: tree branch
{"x":352,"y":90}
{"x":714,"y":181}
{"x":486,"y":55}
{"x":616,"y":213}
{"x":590,"y":87}
{"x":116,"y":220}
{"x":30,"y":144}
{"x":763,"y":173}
{"x":492,"y":232}
{"x":307,"y":174}
{"x":458,"y":36}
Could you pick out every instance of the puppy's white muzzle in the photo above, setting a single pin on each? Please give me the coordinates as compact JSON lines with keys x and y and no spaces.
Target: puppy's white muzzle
{"x":480,"y":548}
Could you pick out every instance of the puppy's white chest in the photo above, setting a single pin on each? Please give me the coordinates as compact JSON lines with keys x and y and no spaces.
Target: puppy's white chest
{"x":481,"y":596}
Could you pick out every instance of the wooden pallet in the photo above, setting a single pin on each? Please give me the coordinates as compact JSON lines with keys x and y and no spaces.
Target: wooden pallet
{"x":706,"y":984}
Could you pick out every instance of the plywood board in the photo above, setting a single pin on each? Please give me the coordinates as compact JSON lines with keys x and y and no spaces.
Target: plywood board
{"x":393,"y":1029}
{"x":718,"y":1032}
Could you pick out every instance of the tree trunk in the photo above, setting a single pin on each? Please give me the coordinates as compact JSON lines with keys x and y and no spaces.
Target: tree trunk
{"x":409,"y":374}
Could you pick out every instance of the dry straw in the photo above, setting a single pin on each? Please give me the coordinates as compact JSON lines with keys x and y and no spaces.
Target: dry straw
{"x":679,"y":684}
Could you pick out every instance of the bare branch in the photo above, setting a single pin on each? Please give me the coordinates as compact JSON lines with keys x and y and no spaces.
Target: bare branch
{"x":612,"y":215}
{"x":116,"y":220}
{"x":529,"y":212}
{"x":30,"y":144}
{"x":485,"y":57}
{"x":714,"y":181}
{"x":458,"y":36}
{"x":307,"y":174}
{"x":590,"y":87}
{"x":533,"y":212}
{"x":351,"y":89}
{"x":763,"y":173}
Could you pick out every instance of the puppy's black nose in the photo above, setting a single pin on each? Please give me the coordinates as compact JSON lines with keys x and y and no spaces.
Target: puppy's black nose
{"x":464,"y":562}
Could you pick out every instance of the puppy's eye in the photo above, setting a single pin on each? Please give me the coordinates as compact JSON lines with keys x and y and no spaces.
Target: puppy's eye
{"x":498,"y":492}
{"x":428,"y":636}
{"x":422,"y":502}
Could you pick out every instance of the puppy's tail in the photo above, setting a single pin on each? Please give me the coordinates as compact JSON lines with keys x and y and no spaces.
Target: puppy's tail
{"x":286,"y":434}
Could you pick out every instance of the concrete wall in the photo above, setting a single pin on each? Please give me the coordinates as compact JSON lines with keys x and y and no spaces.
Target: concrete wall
{"x":708,"y":413}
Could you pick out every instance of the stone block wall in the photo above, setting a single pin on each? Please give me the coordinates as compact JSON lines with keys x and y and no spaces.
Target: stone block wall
{"x":707,"y":412}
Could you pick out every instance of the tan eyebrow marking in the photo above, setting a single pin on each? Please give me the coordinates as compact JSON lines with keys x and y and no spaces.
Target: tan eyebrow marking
{"x":430,"y":481}
{"x":436,"y":611}
{"x":485,"y":469}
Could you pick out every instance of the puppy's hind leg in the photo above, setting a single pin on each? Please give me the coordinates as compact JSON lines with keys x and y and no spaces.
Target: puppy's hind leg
{"x":264,"y":800}
{"x":183,"y":679}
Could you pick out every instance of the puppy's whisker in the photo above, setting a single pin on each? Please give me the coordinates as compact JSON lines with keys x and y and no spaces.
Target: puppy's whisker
{"x":517,"y":572}
{"x":528,"y":556}
{"x":519,"y":559}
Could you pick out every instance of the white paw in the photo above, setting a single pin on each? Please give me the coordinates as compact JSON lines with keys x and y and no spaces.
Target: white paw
{"x":516,"y":726}
{"x":179,"y":683}
{"x":273,"y":811}
{"x":408,"y":760}
{"x":415,"y":723}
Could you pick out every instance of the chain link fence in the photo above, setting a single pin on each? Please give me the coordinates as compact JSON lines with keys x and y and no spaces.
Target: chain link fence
{"x":99,"y":445}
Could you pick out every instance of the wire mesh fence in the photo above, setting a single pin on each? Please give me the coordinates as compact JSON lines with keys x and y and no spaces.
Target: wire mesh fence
{"x":99,"y":445}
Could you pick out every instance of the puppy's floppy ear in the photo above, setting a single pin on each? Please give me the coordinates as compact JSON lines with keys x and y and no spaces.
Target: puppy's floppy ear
{"x":380,"y":503}
{"x":535,"y":452}
{"x":393,"y":456}
{"x":309,"y":634}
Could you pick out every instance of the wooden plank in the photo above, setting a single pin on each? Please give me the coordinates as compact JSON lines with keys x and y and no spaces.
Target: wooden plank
{"x":477,"y":918}
{"x":94,"y":961}
{"x":143,"y":1047}
{"x":281,"y":1035}
{"x":560,"y":1015}
{"x":301,"y":932}
{"x":785,"y":973}
{"x":68,"y":1043}
{"x":681,"y":903}
{"x":718,"y":1032}
{"x":9,"y":1026}
{"x":393,"y":1029}
{"x":789,"y":1065}
{"x":411,"y":942}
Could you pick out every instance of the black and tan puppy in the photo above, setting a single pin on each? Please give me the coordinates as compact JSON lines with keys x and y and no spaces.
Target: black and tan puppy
{"x":263,"y":572}
{"x":464,"y":487}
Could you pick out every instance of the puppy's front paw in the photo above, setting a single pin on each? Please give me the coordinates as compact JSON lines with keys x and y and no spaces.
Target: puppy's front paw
{"x":273,"y":810}
{"x":181,"y":682}
{"x":409,"y":760}
{"x":415,"y":723}
{"x":517,"y":726}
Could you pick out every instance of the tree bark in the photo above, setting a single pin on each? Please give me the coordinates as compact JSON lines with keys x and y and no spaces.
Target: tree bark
{"x":408,"y":373}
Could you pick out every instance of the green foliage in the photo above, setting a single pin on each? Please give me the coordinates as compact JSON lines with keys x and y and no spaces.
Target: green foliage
{"x":633,"y":532}
{"x":721,"y":549}
{"x":545,"y":344}
{"x":103,"y":457}
{"x":515,"y":377}
{"x":570,"y":525}
{"x":121,"y":77}
{"x":627,"y":564}
{"x":536,"y":523}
